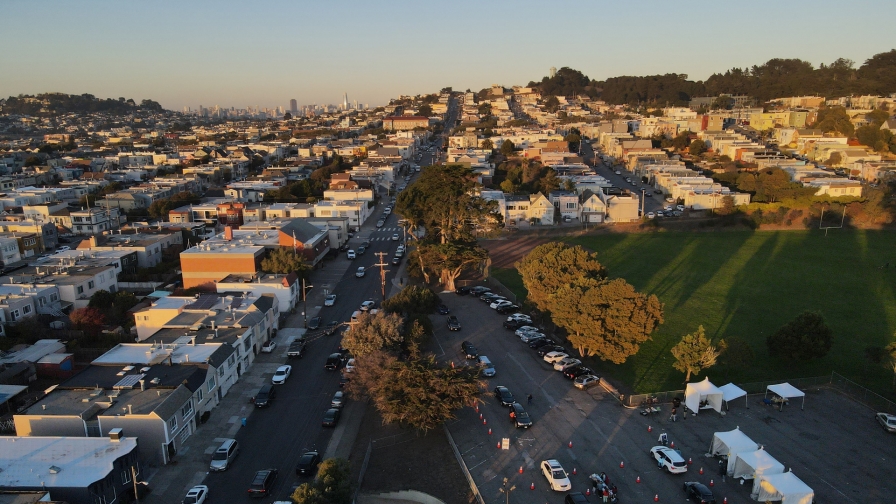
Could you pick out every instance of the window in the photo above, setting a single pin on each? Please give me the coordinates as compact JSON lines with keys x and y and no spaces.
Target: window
{"x":80,"y":289}
{"x":187,"y":410}
{"x":172,"y":424}
{"x":211,"y":383}
{"x":26,"y":309}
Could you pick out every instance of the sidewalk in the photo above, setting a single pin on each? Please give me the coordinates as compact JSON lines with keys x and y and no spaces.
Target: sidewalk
{"x":170,"y":483}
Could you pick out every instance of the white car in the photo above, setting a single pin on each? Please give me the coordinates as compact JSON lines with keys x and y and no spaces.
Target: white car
{"x":268,"y":346}
{"x":281,"y":375}
{"x":563,"y":365}
{"x":360,"y":272}
{"x":500,"y":304}
{"x":669,"y":459}
{"x":330,"y":300}
{"x":555,"y":475}
{"x":395,"y":237}
{"x":552,"y":357}
{"x":196,"y":495}
{"x":367,"y":305}
{"x":350,"y":366}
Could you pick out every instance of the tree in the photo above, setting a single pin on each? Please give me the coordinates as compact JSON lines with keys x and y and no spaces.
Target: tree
{"x":697,"y":147}
{"x":507,"y":148}
{"x":735,"y":353}
{"x":333,"y":484}
{"x":804,"y":338}
{"x":694,"y":353}
{"x":87,"y":319}
{"x":416,"y":392}
{"x":412,"y":299}
{"x":285,"y":260}
{"x":487,"y":144}
{"x":374,"y":332}
{"x":448,"y":260}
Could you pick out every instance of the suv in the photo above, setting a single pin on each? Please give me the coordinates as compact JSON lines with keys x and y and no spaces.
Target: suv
{"x":469,"y":350}
{"x":262,"y":483}
{"x":224,"y":455}
{"x":265,"y":396}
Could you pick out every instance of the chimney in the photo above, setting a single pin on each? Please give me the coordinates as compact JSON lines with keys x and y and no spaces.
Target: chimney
{"x":228,"y":233}
{"x":115,"y":434}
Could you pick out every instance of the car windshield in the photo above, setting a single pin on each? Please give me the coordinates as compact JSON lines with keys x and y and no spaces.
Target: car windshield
{"x":558,"y":474}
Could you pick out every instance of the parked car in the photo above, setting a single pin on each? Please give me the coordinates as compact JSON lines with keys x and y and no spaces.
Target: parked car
{"x":556,"y":475}
{"x":262,"y":483}
{"x":360,"y":272}
{"x":586,"y":381}
{"x":196,"y":495}
{"x":442,"y":309}
{"x":553,"y":357}
{"x":308,"y":463}
{"x":281,"y":374}
{"x":698,"y":492}
{"x":669,"y":459}
{"x":350,"y":254}
{"x":577,"y":371}
{"x":330,"y":300}
{"x":469,"y":350}
{"x":268,"y":346}
{"x":503,"y":395}
{"x":314,"y":323}
{"x":331,"y":418}
{"x":887,"y":421}
{"x":453,"y":324}
{"x":519,"y":417}
{"x":566,"y":363}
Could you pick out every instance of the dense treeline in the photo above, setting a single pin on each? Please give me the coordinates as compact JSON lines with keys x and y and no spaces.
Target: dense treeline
{"x":774,"y":79}
{"x":50,"y":104}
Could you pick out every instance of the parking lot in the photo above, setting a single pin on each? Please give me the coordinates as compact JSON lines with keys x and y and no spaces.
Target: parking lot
{"x":834,"y":445}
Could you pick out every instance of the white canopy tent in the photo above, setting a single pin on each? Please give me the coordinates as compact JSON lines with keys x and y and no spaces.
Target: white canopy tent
{"x":728,"y":444}
{"x":697,"y":393}
{"x":751,"y":465}
{"x":784,"y":487}
{"x":731,"y":392}
{"x":786,"y":391}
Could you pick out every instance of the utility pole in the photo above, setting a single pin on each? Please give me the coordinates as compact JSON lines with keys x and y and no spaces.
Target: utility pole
{"x":383,"y":271}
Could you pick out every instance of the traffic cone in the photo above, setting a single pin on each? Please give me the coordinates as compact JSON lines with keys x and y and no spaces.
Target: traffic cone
{"x":622,"y":464}
{"x":570,"y":444}
{"x":701,"y":470}
{"x":573,"y":471}
{"x":690,"y":461}
{"x":638,"y":479}
{"x":532,"y":486}
{"x":711,"y":483}
{"x":489,"y":432}
{"x":656,"y":498}
{"x":521,"y":469}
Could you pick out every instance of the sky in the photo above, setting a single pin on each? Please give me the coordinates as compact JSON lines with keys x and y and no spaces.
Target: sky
{"x":187,"y":53}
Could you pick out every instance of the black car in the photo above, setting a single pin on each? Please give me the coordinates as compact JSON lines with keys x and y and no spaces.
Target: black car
{"x":453,"y":324}
{"x":698,"y":492}
{"x":462,"y":291}
{"x":469,"y":350}
{"x":549,"y":348}
{"x":308,"y":464}
{"x":519,"y":417}
{"x":314,"y":323}
{"x":503,"y":394}
{"x":577,"y":371}
{"x":331,"y":417}
{"x":504,"y":310}
{"x":442,"y":309}
{"x":334,"y":362}
{"x":262,"y":483}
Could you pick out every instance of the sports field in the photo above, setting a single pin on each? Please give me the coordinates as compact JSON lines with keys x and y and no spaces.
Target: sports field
{"x":748,"y":284}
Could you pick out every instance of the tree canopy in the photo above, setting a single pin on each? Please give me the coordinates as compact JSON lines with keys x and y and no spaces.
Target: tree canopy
{"x":604,"y":317}
{"x":804,"y":338}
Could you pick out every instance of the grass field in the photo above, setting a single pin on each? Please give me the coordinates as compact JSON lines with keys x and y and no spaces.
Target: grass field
{"x":748,"y":284}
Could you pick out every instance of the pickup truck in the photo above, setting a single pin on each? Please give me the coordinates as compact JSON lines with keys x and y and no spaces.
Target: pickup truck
{"x":296,"y":349}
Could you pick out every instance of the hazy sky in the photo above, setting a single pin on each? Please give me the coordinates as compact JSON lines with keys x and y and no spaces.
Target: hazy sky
{"x":240,"y":53}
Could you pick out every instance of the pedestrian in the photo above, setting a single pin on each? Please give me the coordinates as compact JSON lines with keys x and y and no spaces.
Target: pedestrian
{"x":529,"y":399}
{"x":674,"y":416}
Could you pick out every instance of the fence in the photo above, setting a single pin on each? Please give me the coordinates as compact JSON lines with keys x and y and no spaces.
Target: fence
{"x":859,"y":393}
{"x":463,"y":466}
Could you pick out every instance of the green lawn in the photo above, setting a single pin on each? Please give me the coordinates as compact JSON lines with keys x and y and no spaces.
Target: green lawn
{"x":748,"y":284}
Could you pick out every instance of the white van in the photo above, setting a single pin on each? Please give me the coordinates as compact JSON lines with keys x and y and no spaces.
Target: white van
{"x":488,"y":369}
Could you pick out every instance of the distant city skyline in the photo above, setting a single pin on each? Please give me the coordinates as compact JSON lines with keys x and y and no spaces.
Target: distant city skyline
{"x":182,"y":54}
